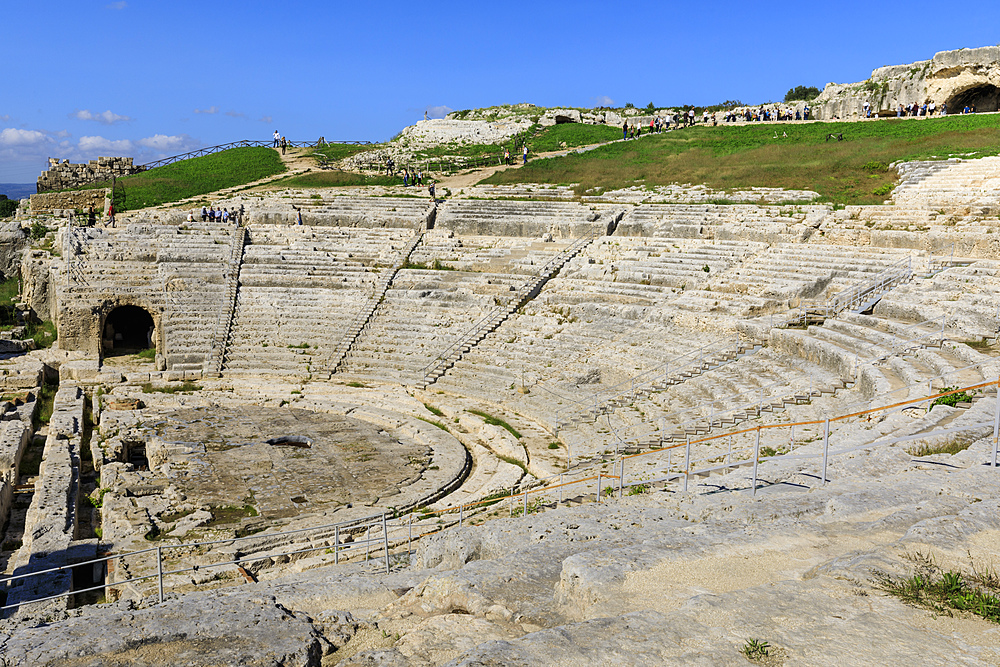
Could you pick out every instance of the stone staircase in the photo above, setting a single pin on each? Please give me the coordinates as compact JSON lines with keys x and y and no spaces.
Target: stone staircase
{"x":445,"y":360}
{"x":225,"y":322}
{"x":367,"y":313}
{"x":670,"y":374}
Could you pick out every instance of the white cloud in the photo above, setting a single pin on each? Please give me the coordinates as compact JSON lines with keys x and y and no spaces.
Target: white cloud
{"x":118,"y":6}
{"x":604,"y":101}
{"x":236,"y":114}
{"x":105,"y":118}
{"x":4,"y":118}
{"x":23,"y":152}
{"x":438,"y":112}
{"x":13,"y":138}
{"x":94,"y":145}
{"x":267,"y":120}
{"x":169,"y":145}
{"x":209,"y":110}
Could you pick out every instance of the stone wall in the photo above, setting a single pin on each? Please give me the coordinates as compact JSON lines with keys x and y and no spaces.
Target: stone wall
{"x":62,"y":175}
{"x":54,"y":202}
{"x":965,"y":76}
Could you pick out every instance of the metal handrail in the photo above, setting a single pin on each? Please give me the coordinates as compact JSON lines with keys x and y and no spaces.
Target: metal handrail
{"x":485,"y":322}
{"x":239,"y":144}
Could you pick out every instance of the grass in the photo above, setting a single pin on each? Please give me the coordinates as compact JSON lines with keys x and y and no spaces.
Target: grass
{"x":434,"y":411}
{"x":149,"y":354}
{"x":952,"y":400}
{"x":572,"y":135}
{"x":185,"y":387}
{"x":337,"y":152}
{"x":438,"y":265}
{"x":494,"y":421}
{"x":951,"y":447}
{"x":945,"y":592}
{"x":197,"y":176}
{"x":43,"y":333}
{"x":434,"y":423}
{"x":46,"y":397}
{"x":740,"y":157}
{"x":334,"y":179}
{"x":514,"y":462}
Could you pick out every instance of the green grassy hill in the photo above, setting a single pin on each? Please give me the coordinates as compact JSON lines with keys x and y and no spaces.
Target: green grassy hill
{"x":854,"y":171}
{"x":197,"y":176}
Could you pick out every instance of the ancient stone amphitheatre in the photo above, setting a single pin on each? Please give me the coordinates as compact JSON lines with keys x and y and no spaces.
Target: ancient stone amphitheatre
{"x":524,"y":424}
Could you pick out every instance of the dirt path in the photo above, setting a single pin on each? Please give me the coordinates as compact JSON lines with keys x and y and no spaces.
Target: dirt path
{"x":469,"y":178}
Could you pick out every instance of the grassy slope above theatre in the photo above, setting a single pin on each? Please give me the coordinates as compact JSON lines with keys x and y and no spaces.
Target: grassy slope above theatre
{"x":197,"y":176}
{"x":750,"y":156}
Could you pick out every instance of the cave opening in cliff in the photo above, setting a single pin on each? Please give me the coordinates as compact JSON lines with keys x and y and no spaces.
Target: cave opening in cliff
{"x":985,"y":97}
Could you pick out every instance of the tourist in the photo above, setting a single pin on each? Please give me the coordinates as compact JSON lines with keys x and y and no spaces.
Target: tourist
{"x":190,"y":217}
{"x":204,"y":214}
{"x":525,"y":154}
{"x":420,"y":175}
{"x":284,"y":144}
{"x":625,"y":130}
{"x":406,"y":178}
{"x":805,"y":112}
{"x":91,"y":217}
{"x":276,"y":139}
{"x":506,"y":156}
{"x":430,"y":189}
{"x":944,"y":108}
{"x":225,"y":215}
{"x":111,"y":213}
{"x":240,"y":219}
{"x":930,"y":108}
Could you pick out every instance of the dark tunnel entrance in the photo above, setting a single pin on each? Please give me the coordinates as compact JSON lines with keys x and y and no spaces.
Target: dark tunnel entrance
{"x":985,"y":98}
{"x":127,"y":330}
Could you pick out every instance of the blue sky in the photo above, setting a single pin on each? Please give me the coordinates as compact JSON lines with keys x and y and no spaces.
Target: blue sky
{"x":84,"y":78}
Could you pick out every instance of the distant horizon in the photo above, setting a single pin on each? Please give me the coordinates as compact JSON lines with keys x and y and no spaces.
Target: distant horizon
{"x":365,"y":75}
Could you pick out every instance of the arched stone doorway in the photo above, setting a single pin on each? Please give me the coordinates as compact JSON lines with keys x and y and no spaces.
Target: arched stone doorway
{"x":985,"y":97}
{"x":127,"y":330}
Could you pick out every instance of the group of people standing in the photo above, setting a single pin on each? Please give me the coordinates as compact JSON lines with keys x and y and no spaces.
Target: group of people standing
{"x":766,"y":114}
{"x":224,"y":215}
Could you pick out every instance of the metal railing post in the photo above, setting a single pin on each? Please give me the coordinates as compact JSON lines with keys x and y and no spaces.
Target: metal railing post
{"x":687,"y":463}
{"x":525,"y":502}
{"x":996,"y":426}
{"x":336,"y":545}
{"x":368,"y":542}
{"x":159,"y":570}
{"x":756,"y":460}
{"x":598,"y":486}
{"x":560,"y":489}
{"x":621,"y":477}
{"x":409,"y":540}
{"x":826,"y":447}
{"x":385,"y":541}
{"x":461,"y":514}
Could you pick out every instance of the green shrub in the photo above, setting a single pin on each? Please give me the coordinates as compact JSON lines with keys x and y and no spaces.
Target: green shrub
{"x":804,"y":93}
{"x":8,"y":207}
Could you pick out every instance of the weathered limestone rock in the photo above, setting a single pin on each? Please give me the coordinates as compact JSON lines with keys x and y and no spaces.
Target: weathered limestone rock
{"x":63,"y":175}
{"x":74,"y":200}
{"x":955,"y":78}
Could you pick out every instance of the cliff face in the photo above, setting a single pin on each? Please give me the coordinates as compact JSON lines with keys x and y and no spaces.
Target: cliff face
{"x":957,"y":78}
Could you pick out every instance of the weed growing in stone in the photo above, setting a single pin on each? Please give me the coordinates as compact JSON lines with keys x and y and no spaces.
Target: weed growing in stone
{"x":756,"y":649}
{"x":494,"y":421}
{"x":945,"y":592}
